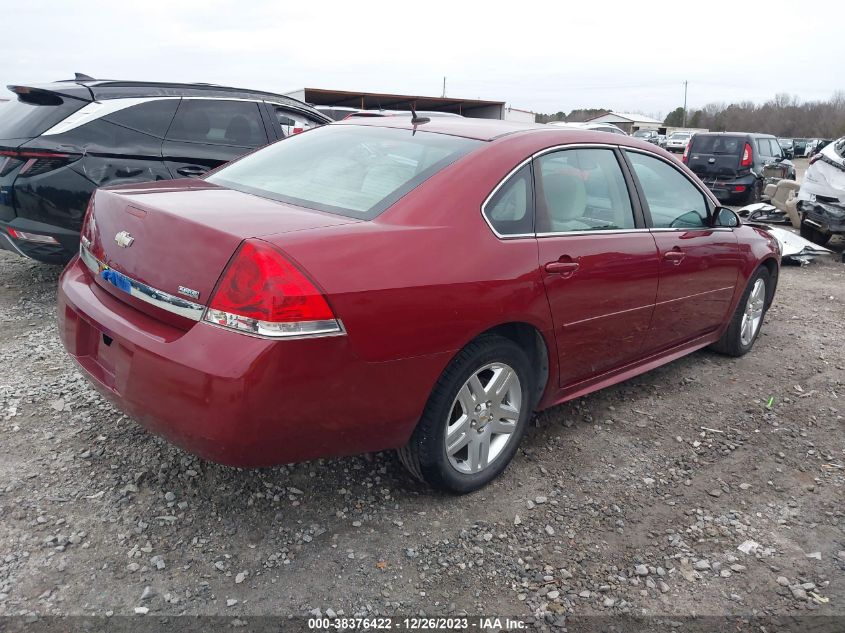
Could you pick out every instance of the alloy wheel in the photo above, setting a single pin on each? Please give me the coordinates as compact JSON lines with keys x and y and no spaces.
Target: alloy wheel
{"x":753,"y":314}
{"x":483,"y":418}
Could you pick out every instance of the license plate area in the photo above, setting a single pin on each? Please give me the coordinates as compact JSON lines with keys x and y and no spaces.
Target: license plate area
{"x":103,"y":356}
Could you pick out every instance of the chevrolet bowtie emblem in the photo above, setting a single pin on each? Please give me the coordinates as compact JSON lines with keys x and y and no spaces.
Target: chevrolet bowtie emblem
{"x":124,"y":239}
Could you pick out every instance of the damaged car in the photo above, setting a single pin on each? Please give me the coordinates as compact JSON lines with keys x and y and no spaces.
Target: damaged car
{"x":821,"y":200}
{"x":60,"y":141}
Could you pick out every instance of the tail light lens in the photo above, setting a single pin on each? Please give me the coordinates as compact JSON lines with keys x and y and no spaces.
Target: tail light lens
{"x":264,"y":294}
{"x":747,"y":156}
{"x":685,"y":157}
{"x":35,"y":162}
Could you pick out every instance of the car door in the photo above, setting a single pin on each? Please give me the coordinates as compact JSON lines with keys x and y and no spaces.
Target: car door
{"x":598,"y":261}
{"x":699,"y":265}
{"x":206,"y":133}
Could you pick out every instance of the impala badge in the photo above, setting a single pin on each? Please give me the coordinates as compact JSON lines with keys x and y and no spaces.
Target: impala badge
{"x":190,"y":292}
{"x":124,"y":239}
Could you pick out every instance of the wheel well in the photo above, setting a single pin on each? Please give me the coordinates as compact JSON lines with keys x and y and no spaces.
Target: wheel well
{"x":532,"y":343}
{"x":773,"y":275}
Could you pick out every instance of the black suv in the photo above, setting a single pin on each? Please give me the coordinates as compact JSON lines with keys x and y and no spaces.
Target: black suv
{"x":60,"y":141}
{"x":733,"y":164}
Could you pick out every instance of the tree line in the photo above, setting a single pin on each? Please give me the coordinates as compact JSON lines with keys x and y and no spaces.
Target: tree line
{"x":784,"y":116}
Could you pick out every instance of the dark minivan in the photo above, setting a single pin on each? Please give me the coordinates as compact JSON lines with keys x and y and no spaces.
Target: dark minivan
{"x":60,"y":141}
{"x":732,"y":164}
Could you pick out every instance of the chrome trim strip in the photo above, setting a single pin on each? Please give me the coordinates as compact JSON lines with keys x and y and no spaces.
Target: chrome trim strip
{"x":501,"y":184}
{"x":158,"y":298}
{"x":590,"y":232}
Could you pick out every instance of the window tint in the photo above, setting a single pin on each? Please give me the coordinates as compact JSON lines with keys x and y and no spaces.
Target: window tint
{"x":19,"y":119}
{"x":510,"y":210}
{"x":356,"y":171}
{"x":218,"y":122}
{"x":732,"y":145}
{"x":674,"y":202}
{"x":152,"y":118}
{"x":776,"y":151}
{"x":581,"y":190}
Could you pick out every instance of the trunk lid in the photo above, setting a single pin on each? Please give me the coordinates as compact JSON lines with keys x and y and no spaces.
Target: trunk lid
{"x":183,"y":233}
{"x":717,"y":156}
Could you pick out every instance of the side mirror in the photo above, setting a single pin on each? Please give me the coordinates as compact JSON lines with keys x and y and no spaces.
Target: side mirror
{"x":725,"y":217}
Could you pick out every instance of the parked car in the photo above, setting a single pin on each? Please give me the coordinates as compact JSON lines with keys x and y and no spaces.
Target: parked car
{"x":60,"y":141}
{"x":661,"y":140}
{"x":732,"y":164}
{"x":819,"y":145}
{"x":323,"y":318}
{"x":821,"y":199}
{"x":647,"y":135}
{"x":799,"y":147}
{"x":586,"y":125}
{"x":787,"y":146}
{"x":678,"y":141}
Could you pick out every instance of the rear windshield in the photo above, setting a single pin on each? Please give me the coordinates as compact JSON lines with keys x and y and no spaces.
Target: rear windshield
{"x":19,"y":119}
{"x":731,"y":145}
{"x":680,"y":135}
{"x":356,"y":171}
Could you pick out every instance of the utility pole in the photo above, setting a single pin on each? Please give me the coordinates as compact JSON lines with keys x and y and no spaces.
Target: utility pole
{"x":685,"y":103}
{"x":444,"y":87}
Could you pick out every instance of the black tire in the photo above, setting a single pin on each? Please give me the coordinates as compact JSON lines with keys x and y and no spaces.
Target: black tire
{"x":810,"y":232}
{"x":425,"y":454}
{"x":754,"y":193}
{"x":731,"y":342}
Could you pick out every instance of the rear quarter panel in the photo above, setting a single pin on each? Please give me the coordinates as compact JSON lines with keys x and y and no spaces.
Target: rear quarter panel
{"x":428,"y":275}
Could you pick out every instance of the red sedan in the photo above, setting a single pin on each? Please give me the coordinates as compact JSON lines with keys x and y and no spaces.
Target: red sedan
{"x":425,"y":286}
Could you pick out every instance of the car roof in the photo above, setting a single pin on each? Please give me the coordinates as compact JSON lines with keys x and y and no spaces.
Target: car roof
{"x":492,"y":129}
{"x":102,"y":89}
{"x":755,"y":134}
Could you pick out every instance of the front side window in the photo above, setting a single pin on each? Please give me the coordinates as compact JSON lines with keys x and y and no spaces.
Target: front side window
{"x":351,"y":170}
{"x":510,"y":210}
{"x":581,"y":190}
{"x":674,"y":202}
{"x":218,"y":122}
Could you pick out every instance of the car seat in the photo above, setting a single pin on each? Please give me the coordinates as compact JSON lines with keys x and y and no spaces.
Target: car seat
{"x":783,"y":195}
{"x":566,"y":201}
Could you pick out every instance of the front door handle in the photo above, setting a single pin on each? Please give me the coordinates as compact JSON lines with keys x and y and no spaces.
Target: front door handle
{"x":191,"y":171}
{"x":675,"y":256}
{"x":562,"y":268}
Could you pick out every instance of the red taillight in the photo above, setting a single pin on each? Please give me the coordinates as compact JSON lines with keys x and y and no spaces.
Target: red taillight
{"x":739,"y":188}
{"x":35,"y":161}
{"x":685,"y":157}
{"x":263,"y":293}
{"x":747,"y":156}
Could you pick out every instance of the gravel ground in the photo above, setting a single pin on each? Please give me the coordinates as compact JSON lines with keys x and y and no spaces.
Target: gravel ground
{"x":710,"y":486}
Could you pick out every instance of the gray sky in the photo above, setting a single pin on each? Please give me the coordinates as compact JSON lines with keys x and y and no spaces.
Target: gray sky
{"x":630,"y":56}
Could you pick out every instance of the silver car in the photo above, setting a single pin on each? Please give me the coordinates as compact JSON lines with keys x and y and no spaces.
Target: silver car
{"x":678,"y":141}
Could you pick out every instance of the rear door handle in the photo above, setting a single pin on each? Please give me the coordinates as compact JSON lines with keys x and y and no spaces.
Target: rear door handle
{"x":191,"y":171}
{"x":674,"y":256}
{"x":562,"y":268}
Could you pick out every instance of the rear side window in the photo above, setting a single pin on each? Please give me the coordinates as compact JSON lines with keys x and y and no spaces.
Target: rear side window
{"x":356,"y":171}
{"x":674,"y":202}
{"x":581,"y":190}
{"x":510,"y":209}
{"x":151,"y":118}
{"x":20,"y":119}
{"x":731,"y":145}
{"x":218,"y":122}
{"x":293,"y":122}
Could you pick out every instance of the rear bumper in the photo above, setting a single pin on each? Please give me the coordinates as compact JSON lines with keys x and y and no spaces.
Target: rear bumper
{"x":65,"y":246}
{"x":728,"y":188}
{"x":236,"y":399}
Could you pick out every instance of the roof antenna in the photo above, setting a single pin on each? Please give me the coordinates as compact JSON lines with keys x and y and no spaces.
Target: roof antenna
{"x":416,"y":120}
{"x":82,"y":77}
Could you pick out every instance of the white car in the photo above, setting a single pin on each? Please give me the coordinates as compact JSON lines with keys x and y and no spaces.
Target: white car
{"x":678,"y":141}
{"x":595,"y":127}
{"x":821,"y":199}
